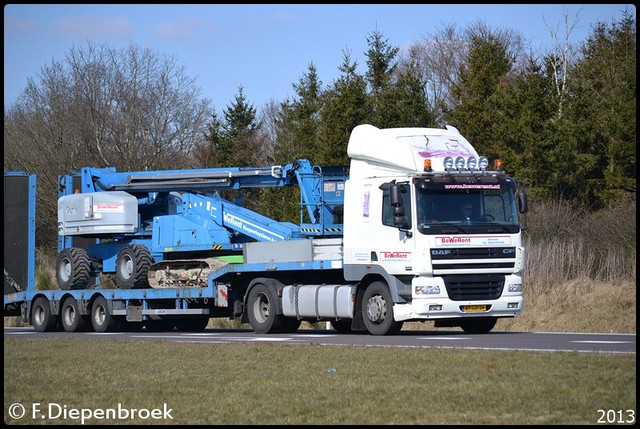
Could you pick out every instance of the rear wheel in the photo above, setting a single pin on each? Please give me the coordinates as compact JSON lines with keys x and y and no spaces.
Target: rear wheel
{"x":261,"y":307}
{"x":42,"y":319}
{"x":377,"y":310}
{"x":73,"y":269}
{"x":70,"y":317}
{"x":132,"y":266}
{"x":478,"y":326}
{"x":101,"y":318}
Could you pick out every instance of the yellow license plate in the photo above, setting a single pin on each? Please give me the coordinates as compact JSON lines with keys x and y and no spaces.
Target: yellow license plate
{"x":474,"y":308}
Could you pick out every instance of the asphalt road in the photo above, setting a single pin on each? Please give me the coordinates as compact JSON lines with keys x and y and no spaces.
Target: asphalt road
{"x":524,"y":341}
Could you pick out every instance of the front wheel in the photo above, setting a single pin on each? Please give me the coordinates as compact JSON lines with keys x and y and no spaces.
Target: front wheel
{"x":377,"y":310}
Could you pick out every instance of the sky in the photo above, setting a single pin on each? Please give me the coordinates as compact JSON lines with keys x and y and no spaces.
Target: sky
{"x":265,"y":48}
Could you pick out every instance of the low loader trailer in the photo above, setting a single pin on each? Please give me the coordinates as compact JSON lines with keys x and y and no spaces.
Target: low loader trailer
{"x":416,"y":228}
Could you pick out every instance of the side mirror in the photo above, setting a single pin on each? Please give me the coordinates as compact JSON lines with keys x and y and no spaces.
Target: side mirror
{"x":523,"y":204}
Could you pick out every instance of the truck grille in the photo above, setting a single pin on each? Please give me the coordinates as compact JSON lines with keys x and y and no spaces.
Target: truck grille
{"x":474,"y":287}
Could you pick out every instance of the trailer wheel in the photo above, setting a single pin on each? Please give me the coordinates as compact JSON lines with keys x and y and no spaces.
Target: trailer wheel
{"x":101,"y":319}
{"x":132,"y":266}
{"x":261,"y":307}
{"x":478,"y":326}
{"x":73,"y":269}
{"x":377,"y":309}
{"x":72,"y":320}
{"x":41,"y":318}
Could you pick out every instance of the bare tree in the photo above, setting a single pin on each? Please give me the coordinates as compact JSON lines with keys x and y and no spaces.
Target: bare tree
{"x":562,"y":56}
{"x":134,"y":109}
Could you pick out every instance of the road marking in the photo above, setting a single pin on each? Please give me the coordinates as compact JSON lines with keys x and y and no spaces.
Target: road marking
{"x":603,"y":342}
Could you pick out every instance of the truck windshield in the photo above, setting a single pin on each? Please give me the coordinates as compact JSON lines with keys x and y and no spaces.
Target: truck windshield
{"x":471,"y":208}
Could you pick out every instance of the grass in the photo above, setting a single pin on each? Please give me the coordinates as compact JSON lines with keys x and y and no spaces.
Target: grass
{"x":292,"y":384}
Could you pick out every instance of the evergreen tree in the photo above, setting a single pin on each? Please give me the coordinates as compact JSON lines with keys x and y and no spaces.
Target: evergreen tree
{"x":480,"y":76}
{"x":346,"y":106}
{"x":602,"y":114}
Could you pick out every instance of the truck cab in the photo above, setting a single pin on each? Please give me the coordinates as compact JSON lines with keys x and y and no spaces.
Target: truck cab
{"x":427,"y":217}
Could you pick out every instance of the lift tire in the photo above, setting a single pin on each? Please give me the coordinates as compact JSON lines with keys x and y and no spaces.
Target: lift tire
{"x":70,"y":317}
{"x":73,"y":269}
{"x":42,"y":319}
{"x":101,"y":318}
{"x":377,"y":310}
{"x":132,"y":265}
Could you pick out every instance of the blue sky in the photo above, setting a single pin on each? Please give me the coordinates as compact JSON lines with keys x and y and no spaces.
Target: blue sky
{"x":263,"y":47}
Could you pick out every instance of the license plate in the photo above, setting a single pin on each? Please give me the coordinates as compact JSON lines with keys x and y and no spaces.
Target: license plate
{"x":474,"y":308}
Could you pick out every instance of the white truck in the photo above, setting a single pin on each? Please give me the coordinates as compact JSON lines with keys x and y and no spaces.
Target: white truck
{"x":418,"y":229}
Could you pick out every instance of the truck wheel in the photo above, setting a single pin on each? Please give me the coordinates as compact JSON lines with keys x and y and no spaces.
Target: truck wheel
{"x":377,"y":310}
{"x":261,"y":307}
{"x":72,"y":320}
{"x":478,"y":326}
{"x":41,"y":318}
{"x":132,"y":266}
{"x":72,"y":268}
{"x":101,"y":319}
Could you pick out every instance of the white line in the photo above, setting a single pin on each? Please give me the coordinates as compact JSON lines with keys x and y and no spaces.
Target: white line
{"x":603,"y":342}
{"x":444,"y":338}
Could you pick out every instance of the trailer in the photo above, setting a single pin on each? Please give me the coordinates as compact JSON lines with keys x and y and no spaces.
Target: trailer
{"x":378,"y":243}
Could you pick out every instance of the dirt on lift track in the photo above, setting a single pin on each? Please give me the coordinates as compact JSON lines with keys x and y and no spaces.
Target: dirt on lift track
{"x":183,"y":273}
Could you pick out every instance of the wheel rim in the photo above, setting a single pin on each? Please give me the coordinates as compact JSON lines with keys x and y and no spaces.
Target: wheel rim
{"x":126,"y":267}
{"x":38,"y":315}
{"x":69,"y":315}
{"x":65,"y":270}
{"x":100,"y":315}
{"x":261,"y":308}
{"x":376,"y":309}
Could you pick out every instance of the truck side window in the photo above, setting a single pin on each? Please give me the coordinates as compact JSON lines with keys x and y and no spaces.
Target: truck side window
{"x":387,"y":209}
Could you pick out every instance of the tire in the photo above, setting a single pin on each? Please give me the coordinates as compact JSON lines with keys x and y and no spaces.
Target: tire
{"x":342,"y":326}
{"x":132,"y":266}
{"x":70,"y":317}
{"x":73,"y":269}
{"x":261,"y":307}
{"x":41,"y":318}
{"x":377,"y":310}
{"x":478,"y":326}
{"x":101,"y":319}
{"x":192,"y":324}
